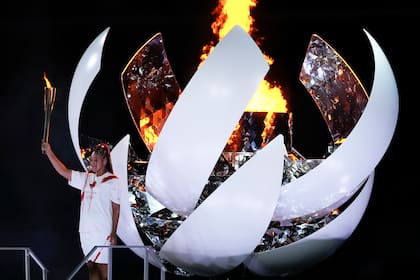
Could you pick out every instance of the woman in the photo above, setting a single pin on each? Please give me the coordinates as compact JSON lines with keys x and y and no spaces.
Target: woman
{"x":99,"y":207}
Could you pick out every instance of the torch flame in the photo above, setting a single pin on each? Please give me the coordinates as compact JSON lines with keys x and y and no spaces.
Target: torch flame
{"x":47,"y":82}
{"x":49,"y":99}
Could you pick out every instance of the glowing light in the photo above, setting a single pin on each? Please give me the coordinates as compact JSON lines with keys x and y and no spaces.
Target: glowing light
{"x":47,"y":82}
{"x":268,"y":97}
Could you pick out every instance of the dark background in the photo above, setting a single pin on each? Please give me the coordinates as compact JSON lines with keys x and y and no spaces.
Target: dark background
{"x":39,"y":211}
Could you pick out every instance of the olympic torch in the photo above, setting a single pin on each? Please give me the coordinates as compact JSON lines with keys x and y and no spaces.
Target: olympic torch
{"x":49,"y":99}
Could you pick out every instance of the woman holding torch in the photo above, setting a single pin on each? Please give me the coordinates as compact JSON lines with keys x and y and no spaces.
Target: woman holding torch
{"x":99,"y":208}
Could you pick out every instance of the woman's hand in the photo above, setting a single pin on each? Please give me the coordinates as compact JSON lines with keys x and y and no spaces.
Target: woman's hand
{"x":113,"y":239}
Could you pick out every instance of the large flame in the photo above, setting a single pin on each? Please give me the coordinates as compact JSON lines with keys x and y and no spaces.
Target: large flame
{"x":268,"y":97}
{"x":229,"y":13}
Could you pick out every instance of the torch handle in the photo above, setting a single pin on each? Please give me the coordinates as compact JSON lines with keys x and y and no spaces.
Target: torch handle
{"x":49,"y":99}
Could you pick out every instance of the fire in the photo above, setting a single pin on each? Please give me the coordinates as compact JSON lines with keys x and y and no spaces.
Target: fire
{"x":47,"y":82}
{"x":230,"y":13}
{"x":49,"y":99}
{"x":148,"y":131}
{"x":268,"y":98}
{"x":340,"y":141}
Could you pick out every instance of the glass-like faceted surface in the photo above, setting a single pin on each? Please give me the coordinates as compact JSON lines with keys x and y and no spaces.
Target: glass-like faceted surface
{"x":256,"y":129}
{"x":150,"y":89}
{"x":334,"y":87}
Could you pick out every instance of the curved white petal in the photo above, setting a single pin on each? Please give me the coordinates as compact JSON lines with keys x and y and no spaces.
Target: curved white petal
{"x":308,"y":251}
{"x":228,"y":225}
{"x":86,"y":70}
{"x":202,"y":120}
{"x":127,"y":229}
{"x":356,"y":158}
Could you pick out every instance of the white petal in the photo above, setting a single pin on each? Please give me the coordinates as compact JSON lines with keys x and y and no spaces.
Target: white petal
{"x":127,"y":229}
{"x":86,"y":70}
{"x":356,"y":158}
{"x":229,"y":224}
{"x":202,"y":120}
{"x":314,"y":248}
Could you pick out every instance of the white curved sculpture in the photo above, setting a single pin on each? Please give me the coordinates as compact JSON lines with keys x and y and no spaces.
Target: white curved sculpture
{"x":356,"y":158}
{"x":202,"y":120}
{"x":198,"y":245}
{"x":86,"y":71}
{"x":194,"y":246}
{"x":314,"y":248}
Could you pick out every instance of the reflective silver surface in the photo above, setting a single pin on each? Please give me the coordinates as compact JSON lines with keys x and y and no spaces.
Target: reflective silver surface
{"x":150,"y":89}
{"x":334,"y":87}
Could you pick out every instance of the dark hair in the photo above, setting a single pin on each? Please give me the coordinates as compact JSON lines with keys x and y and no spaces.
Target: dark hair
{"x":102,"y":149}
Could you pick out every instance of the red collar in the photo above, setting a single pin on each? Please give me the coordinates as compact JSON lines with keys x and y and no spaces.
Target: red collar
{"x":105,"y":179}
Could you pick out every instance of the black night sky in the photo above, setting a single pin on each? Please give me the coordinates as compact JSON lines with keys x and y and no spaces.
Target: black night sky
{"x":40,"y":211}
